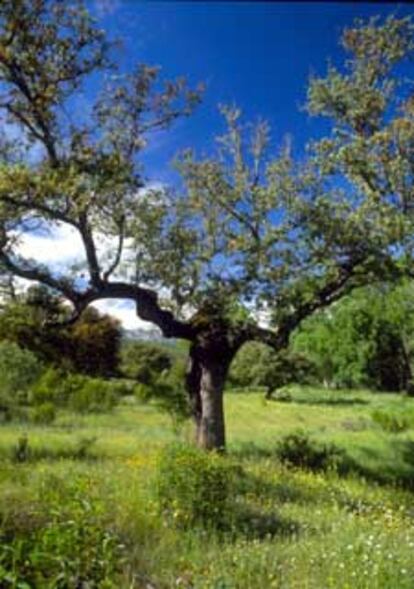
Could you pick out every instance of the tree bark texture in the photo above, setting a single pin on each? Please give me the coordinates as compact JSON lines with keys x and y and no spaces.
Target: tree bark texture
{"x":206,"y":376}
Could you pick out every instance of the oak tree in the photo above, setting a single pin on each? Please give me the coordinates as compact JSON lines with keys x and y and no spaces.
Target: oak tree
{"x":249,"y":234}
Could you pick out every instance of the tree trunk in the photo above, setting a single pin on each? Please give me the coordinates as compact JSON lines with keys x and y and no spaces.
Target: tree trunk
{"x":211,"y":426}
{"x":206,"y":377}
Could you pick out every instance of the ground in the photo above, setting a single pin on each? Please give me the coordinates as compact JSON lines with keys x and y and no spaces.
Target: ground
{"x":348,"y":527}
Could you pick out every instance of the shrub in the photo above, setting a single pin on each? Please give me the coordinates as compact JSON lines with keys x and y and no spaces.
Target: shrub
{"x":50,"y":388}
{"x":143,"y":392}
{"x":94,"y":396}
{"x":21,"y":451}
{"x":298,"y":449}
{"x":392,"y":422}
{"x":19,"y":369}
{"x":259,"y":365}
{"x":169,"y":393}
{"x":64,"y":541}
{"x":122,"y":388}
{"x":173,"y":398}
{"x":194,"y":487}
{"x":144,"y":361}
{"x":281,"y":396}
{"x":44,"y":414}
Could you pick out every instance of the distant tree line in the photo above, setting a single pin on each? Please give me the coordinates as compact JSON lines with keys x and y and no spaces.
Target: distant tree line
{"x":364,"y":340}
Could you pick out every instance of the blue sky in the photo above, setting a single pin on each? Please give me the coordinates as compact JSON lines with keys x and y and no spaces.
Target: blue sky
{"x":256,"y":54}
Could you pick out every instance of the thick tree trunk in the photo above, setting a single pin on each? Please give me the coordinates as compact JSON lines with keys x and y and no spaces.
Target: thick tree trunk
{"x":206,"y":377}
{"x":210,"y":425}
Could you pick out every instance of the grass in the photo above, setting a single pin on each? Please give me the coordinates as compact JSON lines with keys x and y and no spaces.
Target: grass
{"x":295,"y":528}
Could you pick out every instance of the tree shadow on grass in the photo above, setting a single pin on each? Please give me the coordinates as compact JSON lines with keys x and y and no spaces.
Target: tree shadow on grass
{"x":399,"y":474}
{"x":335,"y":402}
{"x":282,"y":491}
{"x":253,"y":523}
{"x":23,"y":452}
{"x":250,"y":450}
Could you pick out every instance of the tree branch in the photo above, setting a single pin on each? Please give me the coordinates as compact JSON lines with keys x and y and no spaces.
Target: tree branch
{"x":118,"y":254}
{"x":90,"y":249}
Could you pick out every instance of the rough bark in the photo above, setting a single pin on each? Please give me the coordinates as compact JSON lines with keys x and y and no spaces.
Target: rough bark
{"x":209,"y":363}
{"x":211,"y":426}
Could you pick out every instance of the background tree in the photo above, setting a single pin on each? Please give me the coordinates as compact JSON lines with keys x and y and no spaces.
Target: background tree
{"x":366,"y":339}
{"x":19,"y":369}
{"x":144,"y":362}
{"x":90,"y":346}
{"x":259,"y":365}
{"x":248,"y":232}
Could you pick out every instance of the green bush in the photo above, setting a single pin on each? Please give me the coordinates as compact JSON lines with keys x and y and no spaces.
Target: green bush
{"x":44,"y":414}
{"x":282,"y":396}
{"x":144,"y":362}
{"x":143,"y":392}
{"x":80,"y":393}
{"x":19,"y":369}
{"x":122,"y":388}
{"x":298,"y":449}
{"x":62,"y":542}
{"x":56,"y":386}
{"x":21,"y":451}
{"x":392,"y":422}
{"x":49,"y":388}
{"x":95,"y":396}
{"x":169,"y":394}
{"x":195,"y":487}
{"x":259,"y":365}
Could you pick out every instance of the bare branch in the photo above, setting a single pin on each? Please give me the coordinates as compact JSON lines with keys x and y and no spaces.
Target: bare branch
{"x":118,"y":254}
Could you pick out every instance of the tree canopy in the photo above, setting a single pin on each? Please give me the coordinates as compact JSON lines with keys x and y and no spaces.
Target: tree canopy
{"x":249,"y":232}
{"x":90,"y":346}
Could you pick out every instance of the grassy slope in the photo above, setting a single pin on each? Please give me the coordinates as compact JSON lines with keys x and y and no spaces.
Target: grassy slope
{"x":309,"y":531}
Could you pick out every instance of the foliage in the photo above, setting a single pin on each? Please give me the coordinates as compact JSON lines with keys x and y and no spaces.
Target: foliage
{"x":19,"y":369}
{"x":332,"y":530}
{"x":282,"y":396}
{"x":170,"y":393}
{"x":247,"y":231}
{"x":90,"y":346}
{"x":64,"y":543}
{"x":161,"y":377}
{"x":44,"y":414}
{"x":194,"y":488}
{"x":363,"y":340}
{"x":53,"y":386}
{"x":25,"y":451}
{"x":298,"y":449}
{"x":144,"y":362}
{"x":95,"y":342}
{"x":93,"y":396}
{"x":393,"y":422}
{"x":259,"y":365}
{"x":21,"y":451}
{"x":76,"y":391}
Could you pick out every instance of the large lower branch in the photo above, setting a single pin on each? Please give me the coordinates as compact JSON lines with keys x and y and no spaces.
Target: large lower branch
{"x":148,"y":308}
{"x":147,"y":304}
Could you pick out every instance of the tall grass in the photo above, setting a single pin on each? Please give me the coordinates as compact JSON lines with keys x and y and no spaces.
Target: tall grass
{"x":290,"y":527}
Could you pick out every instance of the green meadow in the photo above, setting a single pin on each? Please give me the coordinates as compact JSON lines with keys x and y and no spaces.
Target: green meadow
{"x":80,"y":500}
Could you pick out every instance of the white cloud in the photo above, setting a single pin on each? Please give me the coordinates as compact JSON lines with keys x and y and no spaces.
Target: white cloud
{"x":124,"y":311}
{"x":60,"y":248}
